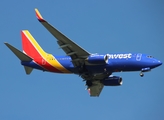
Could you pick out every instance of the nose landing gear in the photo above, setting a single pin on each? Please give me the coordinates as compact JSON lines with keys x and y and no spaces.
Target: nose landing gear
{"x":141,"y":74}
{"x":144,"y":70}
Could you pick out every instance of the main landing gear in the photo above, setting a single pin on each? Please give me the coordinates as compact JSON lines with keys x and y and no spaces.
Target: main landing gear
{"x":141,"y":74}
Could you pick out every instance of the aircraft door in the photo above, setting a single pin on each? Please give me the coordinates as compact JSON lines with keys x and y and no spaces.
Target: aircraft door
{"x":138,"y":57}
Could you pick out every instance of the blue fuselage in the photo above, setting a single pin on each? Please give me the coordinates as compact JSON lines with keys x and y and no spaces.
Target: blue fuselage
{"x":115,"y":63}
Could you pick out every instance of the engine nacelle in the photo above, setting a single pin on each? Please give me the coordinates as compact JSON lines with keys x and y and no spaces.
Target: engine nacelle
{"x":112,"y":81}
{"x":98,"y":59}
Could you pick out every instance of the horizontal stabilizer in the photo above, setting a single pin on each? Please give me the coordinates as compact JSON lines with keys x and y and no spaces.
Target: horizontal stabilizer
{"x":18,"y":53}
{"x":28,"y":70}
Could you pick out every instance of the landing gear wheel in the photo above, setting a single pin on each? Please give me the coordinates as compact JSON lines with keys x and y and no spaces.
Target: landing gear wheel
{"x":141,"y":74}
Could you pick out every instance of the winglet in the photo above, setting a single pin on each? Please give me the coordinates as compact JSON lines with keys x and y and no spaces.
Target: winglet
{"x":38,"y":15}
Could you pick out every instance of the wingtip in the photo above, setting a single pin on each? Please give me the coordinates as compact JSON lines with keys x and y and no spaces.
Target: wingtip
{"x":38,"y":15}
{"x":6,"y":43}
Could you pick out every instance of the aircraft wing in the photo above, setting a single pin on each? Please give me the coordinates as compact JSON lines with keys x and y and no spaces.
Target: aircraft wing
{"x":94,"y":84}
{"x":95,"y":89}
{"x":73,"y":50}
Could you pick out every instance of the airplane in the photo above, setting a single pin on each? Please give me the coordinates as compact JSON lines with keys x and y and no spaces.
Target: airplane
{"x":95,"y":69}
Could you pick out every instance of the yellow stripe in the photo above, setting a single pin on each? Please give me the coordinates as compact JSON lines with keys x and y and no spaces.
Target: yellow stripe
{"x":54,"y":62}
{"x":48,"y":57}
{"x":35,"y":44}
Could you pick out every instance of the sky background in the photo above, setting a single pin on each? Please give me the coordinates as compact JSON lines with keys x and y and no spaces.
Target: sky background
{"x":104,"y":26}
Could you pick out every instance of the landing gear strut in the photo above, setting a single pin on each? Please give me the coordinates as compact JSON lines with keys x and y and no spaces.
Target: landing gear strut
{"x":141,"y":74}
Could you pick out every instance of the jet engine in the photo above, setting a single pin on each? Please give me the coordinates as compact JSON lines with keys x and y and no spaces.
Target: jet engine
{"x":112,"y":81}
{"x":98,"y":59}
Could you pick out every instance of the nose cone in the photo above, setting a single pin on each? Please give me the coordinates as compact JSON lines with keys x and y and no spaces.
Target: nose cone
{"x":159,"y":63}
{"x":155,"y":63}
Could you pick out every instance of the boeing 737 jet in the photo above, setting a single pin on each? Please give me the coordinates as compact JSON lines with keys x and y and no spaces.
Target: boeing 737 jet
{"x":95,"y":69}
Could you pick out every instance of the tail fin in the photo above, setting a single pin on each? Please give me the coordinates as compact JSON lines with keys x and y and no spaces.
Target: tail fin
{"x":30,"y":46}
{"x":21,"y":56}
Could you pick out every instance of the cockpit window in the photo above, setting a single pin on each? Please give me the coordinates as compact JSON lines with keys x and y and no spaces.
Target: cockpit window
{"x":149,"y":56}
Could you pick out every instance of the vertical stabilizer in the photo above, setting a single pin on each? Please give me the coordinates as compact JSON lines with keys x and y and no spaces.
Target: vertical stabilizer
{"x":30,"y":46}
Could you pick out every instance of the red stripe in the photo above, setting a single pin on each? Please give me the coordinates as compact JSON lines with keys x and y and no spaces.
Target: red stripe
{"x":30,"y":50}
